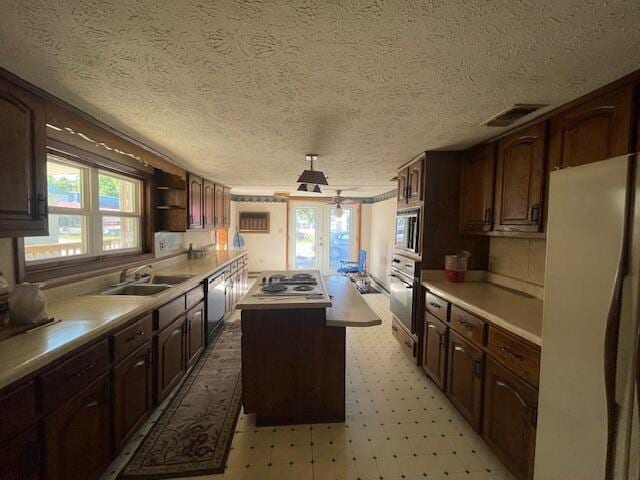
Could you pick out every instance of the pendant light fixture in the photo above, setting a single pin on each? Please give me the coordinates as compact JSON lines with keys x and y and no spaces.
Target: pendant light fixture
{"x":311,"y":176}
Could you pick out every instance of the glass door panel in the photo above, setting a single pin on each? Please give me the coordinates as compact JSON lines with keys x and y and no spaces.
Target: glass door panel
{"x":305,"y":238}
{"x":339,"y":237}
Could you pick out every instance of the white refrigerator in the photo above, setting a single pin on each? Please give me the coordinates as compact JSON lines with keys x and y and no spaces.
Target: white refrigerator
{"x":588,"y":427}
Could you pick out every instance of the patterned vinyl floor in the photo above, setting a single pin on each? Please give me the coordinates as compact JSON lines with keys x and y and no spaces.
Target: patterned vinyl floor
{"x":399,"y":426}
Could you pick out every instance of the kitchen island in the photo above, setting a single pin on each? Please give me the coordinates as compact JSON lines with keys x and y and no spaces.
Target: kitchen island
{"x":293,"y":346}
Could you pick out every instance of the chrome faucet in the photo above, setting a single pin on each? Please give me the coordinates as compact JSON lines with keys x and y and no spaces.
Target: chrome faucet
{"x":137,"y":275}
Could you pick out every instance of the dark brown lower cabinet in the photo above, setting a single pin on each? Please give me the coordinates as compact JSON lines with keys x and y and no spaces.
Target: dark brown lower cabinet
{"x":434,"y":350}
{"x":510,"y":419}
{"x":464,"y":385}
{"x":19,"y":459}
{"x":77,"y":436}
{"x":195,"y":333}
{"x":133,"y":394}
{"x":171,"y":362}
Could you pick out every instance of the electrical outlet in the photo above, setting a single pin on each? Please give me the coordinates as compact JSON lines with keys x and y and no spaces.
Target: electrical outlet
{"x":163,"y":244}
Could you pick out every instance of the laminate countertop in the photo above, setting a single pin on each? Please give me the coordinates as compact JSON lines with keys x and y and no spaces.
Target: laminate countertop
{"x":87,"y":317}
{"x":517,"y":313}
{"x":348,"y":308}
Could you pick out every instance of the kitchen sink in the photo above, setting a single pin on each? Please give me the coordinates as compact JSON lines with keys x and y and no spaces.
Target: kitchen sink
{"x":170,"y":279}
{"x":141,"y":290}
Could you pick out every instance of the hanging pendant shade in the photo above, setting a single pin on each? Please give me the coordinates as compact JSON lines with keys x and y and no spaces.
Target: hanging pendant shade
{"x":311,"y":176}
{"x":303,"y":187}
{"x":316,"y":189}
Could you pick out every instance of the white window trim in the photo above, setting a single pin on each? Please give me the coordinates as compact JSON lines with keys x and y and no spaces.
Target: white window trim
{"x":92,"y":214}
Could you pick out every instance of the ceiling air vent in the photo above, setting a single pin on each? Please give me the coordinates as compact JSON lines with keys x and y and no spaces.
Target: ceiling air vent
{"x":513,"y":114}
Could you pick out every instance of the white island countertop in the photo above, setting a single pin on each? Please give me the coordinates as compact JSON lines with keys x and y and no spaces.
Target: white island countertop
{"x":517,"y":313}
{"x":345,"y":306}
{"x":256,"y":299}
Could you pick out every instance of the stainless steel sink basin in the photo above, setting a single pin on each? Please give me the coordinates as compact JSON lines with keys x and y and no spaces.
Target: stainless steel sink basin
{"x":144,"y":290}
{"x":170,"y":279}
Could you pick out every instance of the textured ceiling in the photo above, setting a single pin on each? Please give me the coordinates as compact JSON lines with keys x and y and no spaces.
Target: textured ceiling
{"x":241,"y":90}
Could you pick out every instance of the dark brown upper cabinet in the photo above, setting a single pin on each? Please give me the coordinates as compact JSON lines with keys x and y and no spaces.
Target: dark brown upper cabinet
{"x":402,"y":187}
{"x":209,"y":210}
{"x":219,"y":206}
{"x":478,"y":174}
{"x":519,"y":180}
{"x":194,"y":184}
{"x":595,"y":130}
{"x":415,"y":181}
{"x":227,"y":207}
{"x":410,"y":183}
{"x":23,"y":157}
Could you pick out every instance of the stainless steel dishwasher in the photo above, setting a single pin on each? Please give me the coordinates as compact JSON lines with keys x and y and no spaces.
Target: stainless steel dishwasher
{"x":215,"y":303}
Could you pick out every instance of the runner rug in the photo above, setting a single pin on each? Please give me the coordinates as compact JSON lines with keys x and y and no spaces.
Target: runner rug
{"x":193,"y":435}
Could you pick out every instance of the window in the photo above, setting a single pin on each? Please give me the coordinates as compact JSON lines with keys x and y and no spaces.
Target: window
{"x":92,"y":212}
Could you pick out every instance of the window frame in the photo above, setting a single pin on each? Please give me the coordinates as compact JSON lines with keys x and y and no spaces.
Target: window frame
{"x":53,"y":272}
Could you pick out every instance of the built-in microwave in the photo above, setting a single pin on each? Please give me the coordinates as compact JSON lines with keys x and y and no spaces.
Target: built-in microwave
{"x":408,"y":230}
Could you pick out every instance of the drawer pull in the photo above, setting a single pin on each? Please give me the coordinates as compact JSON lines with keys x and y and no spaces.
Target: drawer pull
{"x":477,"y":368}
{"x":466,"y":325}
{"x":138,"y":334}
{"x":406,"y":342}
{"x":511,"y":353}
{"x":84,"y":369}
{"x":434,"y":305}
{"x":92,"y":404}
{"x":394,"y":328}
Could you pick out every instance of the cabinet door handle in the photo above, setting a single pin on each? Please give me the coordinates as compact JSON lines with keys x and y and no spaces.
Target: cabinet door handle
{"x":42,"y":205}
{"x":487,"y":216}
{"x":434,"y":305}
{"x":466,"y":325}
{"x":84,"y":369}
{"x":442,"y":341}
{"x":511,"y":353}
{"x":477,"y":368}
{"x":535,"y":213}
{"x":394,"y":328}
{"x":138,"y":334}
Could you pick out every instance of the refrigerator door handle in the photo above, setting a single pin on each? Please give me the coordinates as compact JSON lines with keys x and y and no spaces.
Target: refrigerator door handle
{"x":613,"y":326}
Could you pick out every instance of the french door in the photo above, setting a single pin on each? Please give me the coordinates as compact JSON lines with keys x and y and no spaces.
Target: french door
{"x":320,"y":236}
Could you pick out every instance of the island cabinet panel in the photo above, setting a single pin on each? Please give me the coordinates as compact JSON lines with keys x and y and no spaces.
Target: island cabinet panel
{"x":464,"y":383}
{"x":195,"y":193}
{"x":592,"y":131}
{"x":77,"y":436}
{"x":293,"y":371}
{"x":133,"y":393}
{"x":208,"y":204}
{"x":170,"y":352}
{"x":434,"y":350}
{"x":218,"y":218}
{"x":20,"y":458}
{"x":478,"y":175}
{"x":23,"y":157}
{"x":519,"y":180}
{"x":510,"y":413}
{"x":194,"y":332}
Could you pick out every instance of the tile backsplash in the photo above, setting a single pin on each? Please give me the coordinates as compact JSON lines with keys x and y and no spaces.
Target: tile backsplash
{"x":518,"y":263}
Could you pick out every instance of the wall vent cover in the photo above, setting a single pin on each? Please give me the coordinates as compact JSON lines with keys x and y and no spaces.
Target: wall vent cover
{"x":513,"y":114}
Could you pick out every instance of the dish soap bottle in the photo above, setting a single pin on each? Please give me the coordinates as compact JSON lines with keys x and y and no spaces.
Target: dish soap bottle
{"x":190,"y":254}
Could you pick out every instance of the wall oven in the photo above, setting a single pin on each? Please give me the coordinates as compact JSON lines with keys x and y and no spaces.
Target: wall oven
{"x":408,"y":230}
{"x":402,"y":285}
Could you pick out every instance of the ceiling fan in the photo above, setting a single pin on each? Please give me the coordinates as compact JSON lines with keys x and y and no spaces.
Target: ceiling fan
{"x":339,"y":200}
